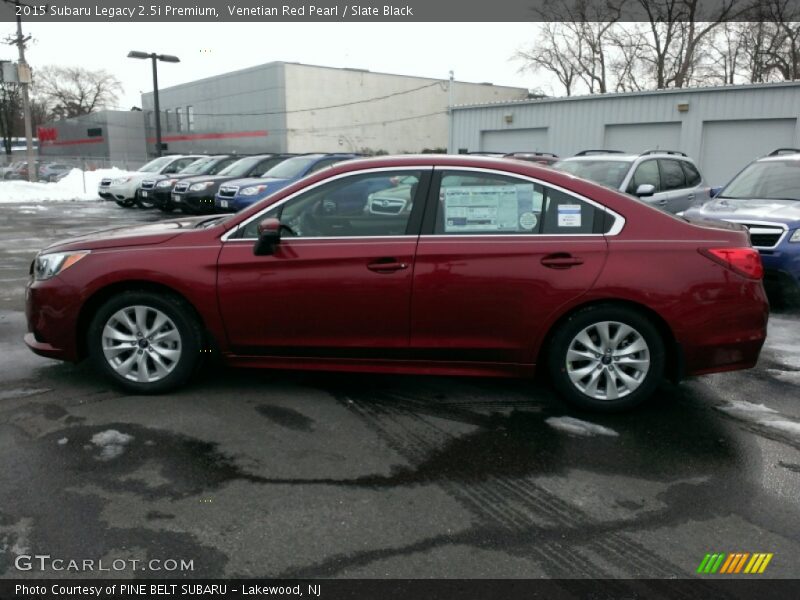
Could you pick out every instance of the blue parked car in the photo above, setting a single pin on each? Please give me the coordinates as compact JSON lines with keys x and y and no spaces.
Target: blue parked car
{"x":241,"y":193}
{"x":765,"y":198}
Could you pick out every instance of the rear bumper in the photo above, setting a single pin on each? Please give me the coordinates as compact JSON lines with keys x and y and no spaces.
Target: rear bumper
{"x":732,"y":333}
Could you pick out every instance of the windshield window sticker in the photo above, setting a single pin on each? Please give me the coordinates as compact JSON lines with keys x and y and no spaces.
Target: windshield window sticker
{"x":528,"y":221}
{"x":569,"y":215}
{"x":486,"y":207}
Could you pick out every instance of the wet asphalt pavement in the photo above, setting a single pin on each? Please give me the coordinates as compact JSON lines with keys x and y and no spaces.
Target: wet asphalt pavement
{"x":278,"y":474}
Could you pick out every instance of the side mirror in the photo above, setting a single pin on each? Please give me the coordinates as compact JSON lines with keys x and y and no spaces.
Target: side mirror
{"x":645,"y":189}
{"x":269,"y":235}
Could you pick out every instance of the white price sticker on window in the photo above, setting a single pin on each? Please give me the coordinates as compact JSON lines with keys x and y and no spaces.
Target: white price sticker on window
{"x":569,"y":215}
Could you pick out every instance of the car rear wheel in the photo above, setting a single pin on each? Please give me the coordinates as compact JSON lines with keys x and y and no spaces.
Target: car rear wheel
{"x":148,"y":343}
{"x":606,"y":358}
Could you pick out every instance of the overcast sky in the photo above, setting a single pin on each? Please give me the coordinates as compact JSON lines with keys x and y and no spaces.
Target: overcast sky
{"x":476,"y":52}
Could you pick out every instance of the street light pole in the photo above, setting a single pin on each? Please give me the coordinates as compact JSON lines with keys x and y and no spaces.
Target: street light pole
{"x":156,"y":106}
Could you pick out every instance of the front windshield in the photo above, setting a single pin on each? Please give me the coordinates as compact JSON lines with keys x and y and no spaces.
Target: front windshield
{"x":156,"y":165}
{"x":291,"y":167}
{"x":603,"y":171}
{"x":241,"y":167}
{"x":768,"y":180}
{"x":198,"y":166}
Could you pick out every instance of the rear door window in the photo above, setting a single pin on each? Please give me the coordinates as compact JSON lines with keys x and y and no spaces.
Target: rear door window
{"x":693,"y":177}
{"x":489,"y":204}
{"x":672,"y":177}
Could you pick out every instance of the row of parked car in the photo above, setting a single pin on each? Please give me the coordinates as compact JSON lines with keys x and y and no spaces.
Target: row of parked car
{"x":212,"y":184}
{"x":50,"y":171}
{"x":764,"y":197}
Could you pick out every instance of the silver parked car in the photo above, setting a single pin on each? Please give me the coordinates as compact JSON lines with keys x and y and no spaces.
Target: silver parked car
{"x":666,"y":179}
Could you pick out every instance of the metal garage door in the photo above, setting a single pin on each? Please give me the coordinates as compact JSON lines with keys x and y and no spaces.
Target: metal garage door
{"x":515,"y":140}
{"x":638,"y":137}
{"x":729,"y":145}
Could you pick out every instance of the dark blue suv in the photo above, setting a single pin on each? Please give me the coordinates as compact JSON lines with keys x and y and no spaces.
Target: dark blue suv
{"x":241,"y":193}
{"x":765,"y":198}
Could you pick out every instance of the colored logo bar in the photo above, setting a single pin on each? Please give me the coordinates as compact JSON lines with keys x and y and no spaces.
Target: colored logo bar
{"x":734,"y":563}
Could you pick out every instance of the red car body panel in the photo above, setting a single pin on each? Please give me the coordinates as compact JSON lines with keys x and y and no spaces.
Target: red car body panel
{"x":464,"y":305}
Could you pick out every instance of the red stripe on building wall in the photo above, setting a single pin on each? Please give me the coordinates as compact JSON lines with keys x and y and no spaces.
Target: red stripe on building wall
{"x":94,"y":140}
{"x":209,"y":136}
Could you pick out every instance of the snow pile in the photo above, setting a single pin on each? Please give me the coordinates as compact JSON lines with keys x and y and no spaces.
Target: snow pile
{"x":111,"y":442}
{"x":70,"y":188}
{"x":578,"y":427}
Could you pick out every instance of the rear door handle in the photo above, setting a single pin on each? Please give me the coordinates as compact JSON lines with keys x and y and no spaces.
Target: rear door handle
{"x":561,"y":261}
{"x":387,"y":265}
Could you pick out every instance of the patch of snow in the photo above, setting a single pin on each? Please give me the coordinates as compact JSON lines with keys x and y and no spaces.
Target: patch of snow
{"x":22,"y":393}
{"x":782,"y":425}
{"x":68,"y":189}
{"x":578,"y":427}
{"x":785,"y":376}
{"x":111,"y":442}
{"x":737,"y":407}
{"x":63,"y":441}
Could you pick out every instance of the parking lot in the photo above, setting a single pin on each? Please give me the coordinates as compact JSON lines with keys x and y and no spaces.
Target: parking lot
{"x":281,"y":474}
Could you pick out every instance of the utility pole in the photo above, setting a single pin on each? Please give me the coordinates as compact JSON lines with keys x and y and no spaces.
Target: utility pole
{"x":24,"y":74}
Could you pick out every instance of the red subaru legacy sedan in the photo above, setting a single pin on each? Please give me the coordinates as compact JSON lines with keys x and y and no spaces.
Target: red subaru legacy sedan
{"x":413,"y":264}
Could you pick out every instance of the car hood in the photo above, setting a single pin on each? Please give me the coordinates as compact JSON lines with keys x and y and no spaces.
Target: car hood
{"x":140,"y":235}
{"x":257,"y":181}
{"x":201,"y":178}
{"x":750,"y":209}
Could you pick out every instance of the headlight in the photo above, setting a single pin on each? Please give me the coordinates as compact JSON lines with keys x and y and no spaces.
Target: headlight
{"x":795,"y":236}
{"x":252,"y":191}
{"x":199,"y":187}
{"x":166,"y":183}
{"x":121,"y":180}
{"x":49,"y":265}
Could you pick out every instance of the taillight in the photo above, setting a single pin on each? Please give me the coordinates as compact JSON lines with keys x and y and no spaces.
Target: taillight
{"x":744,"y":261}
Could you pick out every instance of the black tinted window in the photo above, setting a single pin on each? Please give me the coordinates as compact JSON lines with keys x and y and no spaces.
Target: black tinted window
{"x":565,"y":214}
{"x":672,"y":177}
{"x":693,"y":177}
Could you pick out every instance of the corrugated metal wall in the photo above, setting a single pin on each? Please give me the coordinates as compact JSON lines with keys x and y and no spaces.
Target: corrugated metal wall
{"x":578,"y":123}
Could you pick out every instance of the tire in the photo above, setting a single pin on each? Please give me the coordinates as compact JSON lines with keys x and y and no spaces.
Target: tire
{"x":142,"y":203}
{"x":125,"y":203}
{"x":167,"y":208}
{"x":606,"y":377}
{"x":135,"y":364}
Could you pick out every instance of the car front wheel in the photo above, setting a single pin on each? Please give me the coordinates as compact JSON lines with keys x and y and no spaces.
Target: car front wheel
{"x":606,"y":358}
{"x":148,"y":343}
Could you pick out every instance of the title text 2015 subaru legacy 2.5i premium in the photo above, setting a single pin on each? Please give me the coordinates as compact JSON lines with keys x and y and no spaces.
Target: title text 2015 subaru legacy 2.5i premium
{"x":498,"y":267}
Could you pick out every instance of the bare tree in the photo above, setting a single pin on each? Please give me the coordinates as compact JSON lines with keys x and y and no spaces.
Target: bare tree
{"x":75,"y":91}
{"x":553,"y":53}
{"x":676,"y":36}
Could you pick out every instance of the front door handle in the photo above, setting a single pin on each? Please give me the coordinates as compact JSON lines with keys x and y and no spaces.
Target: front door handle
{"x":662,"y":202}
{"x":561,"y":260}
{"x":387,"y":265}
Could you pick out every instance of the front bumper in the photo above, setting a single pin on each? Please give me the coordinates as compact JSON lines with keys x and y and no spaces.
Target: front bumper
{"x":198,"y":203}
{"x":161,"y":197}
{"x":51,"y":310}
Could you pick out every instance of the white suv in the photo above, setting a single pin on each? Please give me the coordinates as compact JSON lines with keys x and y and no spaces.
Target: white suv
{"x":123,"y":189}
{"x":665,"y":179}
